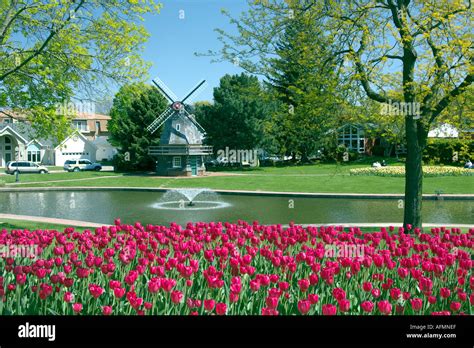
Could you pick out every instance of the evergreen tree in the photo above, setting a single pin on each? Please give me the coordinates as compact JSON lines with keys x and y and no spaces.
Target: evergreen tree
{"x":134,"y":108}
{"x":303,"y":76}
{"x":236,"y":117}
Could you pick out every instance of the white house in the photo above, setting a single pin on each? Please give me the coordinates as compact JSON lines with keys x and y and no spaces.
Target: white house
{"x":444,"y":130}
{"x":18,"y":142}
{"x":74,"y":146}
{"x":105,"y":151}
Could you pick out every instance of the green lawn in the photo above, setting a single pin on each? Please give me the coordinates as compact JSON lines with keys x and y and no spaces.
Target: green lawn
{"x":10,"y":224}
{"x":54,"y":176}
{"x":326,"y":178}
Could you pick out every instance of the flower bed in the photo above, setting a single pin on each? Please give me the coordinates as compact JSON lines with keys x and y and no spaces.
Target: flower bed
{"x":222,"y":268}
{"x":399,"y":171}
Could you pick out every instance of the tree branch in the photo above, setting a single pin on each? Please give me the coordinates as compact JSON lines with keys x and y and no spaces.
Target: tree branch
{"x":43,"y":46}
{"x":444,"y":102}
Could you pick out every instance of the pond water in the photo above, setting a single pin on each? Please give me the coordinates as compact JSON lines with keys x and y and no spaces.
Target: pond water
{"x":163,"y":208}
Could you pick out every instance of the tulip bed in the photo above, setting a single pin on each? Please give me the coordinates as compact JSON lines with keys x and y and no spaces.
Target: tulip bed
{"x":399,"y":171}
{"x":238,"y":269}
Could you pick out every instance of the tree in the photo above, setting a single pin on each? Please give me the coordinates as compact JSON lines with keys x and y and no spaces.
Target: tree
{"x":304,"y":77}
{"x":422,"y":47}
{"x":134,"y":108}
{"x":235,"y":120}
{"x":53,"y":51}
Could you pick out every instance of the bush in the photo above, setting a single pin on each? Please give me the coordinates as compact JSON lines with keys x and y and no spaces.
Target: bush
{"x":443,"y":151}
{"x":2,"y":183}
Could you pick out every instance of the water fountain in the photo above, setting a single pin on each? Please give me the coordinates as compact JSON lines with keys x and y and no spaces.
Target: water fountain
{"x":190,"y":199}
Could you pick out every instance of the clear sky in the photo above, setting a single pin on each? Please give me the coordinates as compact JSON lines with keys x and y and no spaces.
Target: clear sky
{"x":174,"y":40}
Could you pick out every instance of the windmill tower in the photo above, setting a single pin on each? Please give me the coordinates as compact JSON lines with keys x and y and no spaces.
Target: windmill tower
{"x":181,"y":151}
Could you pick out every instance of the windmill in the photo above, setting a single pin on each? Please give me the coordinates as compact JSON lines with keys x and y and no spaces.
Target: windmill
{"x":181,"y":150}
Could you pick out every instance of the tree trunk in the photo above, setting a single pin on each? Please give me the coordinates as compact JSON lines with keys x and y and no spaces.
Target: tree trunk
{"x":416,"y":141}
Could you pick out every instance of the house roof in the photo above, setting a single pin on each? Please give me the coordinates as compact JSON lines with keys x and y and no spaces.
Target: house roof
{"x":78,"y":134}
{"x":101,"y":141}
{"x":26,"y":132}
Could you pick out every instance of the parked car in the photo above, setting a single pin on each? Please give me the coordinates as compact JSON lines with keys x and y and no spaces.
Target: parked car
{"x":81,"y":164}
{"x":25,"y":167}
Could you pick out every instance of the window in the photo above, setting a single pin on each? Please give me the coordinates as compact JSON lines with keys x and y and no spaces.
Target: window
{"x":80,"y":125}
{"x":86,"y":162}
{"x":352,"y":137}
{"x":178,"y":127}
{"x":34,"y":156}
{"x":8,"y":144}
{"x":176,"y":162}
{"x":7,"y":120}
{"x":33,"y":153}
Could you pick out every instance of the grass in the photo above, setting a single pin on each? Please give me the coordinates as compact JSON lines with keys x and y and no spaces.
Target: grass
{"x":324,"y":178}
{"x":11,"y":224}
{"x":54,"y":176}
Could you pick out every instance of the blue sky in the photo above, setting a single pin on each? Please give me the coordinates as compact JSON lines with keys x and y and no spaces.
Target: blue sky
{"x":174,"y":41}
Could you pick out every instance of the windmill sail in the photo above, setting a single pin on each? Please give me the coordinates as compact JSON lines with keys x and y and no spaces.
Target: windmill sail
{"x":164,"y":89}
{"x":152,"y":128}
{"x":195,"y":92}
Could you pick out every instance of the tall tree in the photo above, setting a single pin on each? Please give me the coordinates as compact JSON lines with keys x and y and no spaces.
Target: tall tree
{"x":304,"y":77}
{"x":52,"y":51}
{"x":423,"y":47}
{"x":236,"y":117}
{"x":134,"y":108}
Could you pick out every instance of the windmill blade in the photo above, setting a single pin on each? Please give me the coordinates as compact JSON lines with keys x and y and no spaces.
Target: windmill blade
{"x":195,"y":91}
{"x":160,"y":120}
{"x":165,"y":91}
{"x":193,"y":120}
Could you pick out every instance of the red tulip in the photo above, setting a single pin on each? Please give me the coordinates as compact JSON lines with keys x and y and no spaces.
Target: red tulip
{"x":455,"y":306}
{"x":221,"y":308}
{"x":445,"y":292}
{"x":402,"y":272}
{"x":176,"y":296}
{"x":272,"y":302}
{"x":376,"y":293}
{"x":416,"y":304}
{"x":367,"y":286}
{"x":209,"y":305}
{"x":367,"y":306}
{"x":77,"y":307}
{"x":269,"y":311}
{"x":304,"y":306}
{"x":313,"y":298}
{"x":68,"y":297}
{"x":395,"y":293}
{"x":384,"y":307}
{"x":303,"y":284}
{"x":329,"y":309}
{"x":106,"y":310}
{"x":339,"y":294}
{"x":344,"y":305}
{"x":119,"y":292}
{"x":95,"y":290}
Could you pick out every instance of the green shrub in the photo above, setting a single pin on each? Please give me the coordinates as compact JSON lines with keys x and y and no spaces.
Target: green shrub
{"x":443,"y":151}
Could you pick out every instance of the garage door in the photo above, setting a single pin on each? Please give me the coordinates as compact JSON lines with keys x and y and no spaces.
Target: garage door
{"x":62,"y":157}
